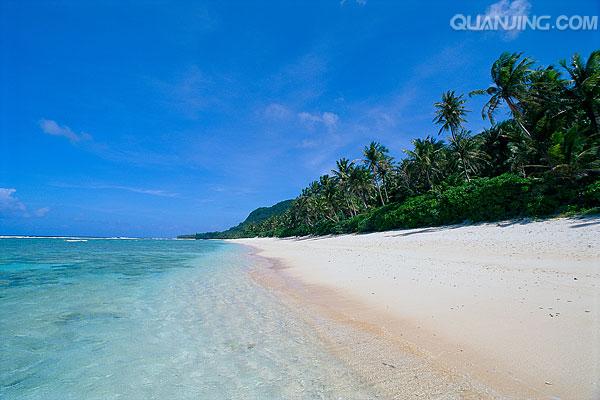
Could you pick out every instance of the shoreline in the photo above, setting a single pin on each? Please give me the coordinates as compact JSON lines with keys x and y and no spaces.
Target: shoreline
{"x":496,"y":310}
{"x":389,"y":366}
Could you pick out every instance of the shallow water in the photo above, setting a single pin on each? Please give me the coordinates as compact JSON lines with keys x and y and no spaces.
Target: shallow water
{"x":152,"y":319}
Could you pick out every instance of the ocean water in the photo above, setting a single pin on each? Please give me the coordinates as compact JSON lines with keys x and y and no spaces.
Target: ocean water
{"x":152,"y":319}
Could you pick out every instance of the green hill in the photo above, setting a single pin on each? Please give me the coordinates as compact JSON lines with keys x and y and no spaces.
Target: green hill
{"x":240,"y":230}
{"x":263,"y":213}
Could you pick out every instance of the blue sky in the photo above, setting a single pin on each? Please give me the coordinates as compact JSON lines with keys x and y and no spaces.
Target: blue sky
{"x":154,"y":118}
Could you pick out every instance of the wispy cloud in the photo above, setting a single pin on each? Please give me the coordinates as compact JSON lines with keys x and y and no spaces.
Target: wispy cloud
{"x":151,"y":192}
{"x":508,"y":9}
{"x":10,"y":205}
{"x":125,"y":151}
{"x":132,"y":189}
{"x":276,"y":111}
{"x":187,"y":92}
{"x":303,"y":79}
{"x":231,"y":190}
{"x":193,"y":91}
{"x":328,"y":119}
{"x":359,"y":2}
{"x":51,"y":127}
{"x":342,"y":126}
{"x":40,"y":212}
{"x":389,"y":116}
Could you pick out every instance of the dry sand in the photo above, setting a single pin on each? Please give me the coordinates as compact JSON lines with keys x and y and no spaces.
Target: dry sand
{"x":508,"y":310}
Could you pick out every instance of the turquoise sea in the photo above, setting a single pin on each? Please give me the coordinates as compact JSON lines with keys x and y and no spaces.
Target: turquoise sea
{"x":152,"y":319}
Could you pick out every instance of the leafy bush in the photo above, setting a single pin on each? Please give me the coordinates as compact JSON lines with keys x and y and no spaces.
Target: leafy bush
{"x":485,"y":199}
{"x":416,"y":211}
{"x":323,"y":227}
{"x":375,"y":219}
{"x":350,"y":225}
{"x":591,"y":194}
{"x":482,"y":199}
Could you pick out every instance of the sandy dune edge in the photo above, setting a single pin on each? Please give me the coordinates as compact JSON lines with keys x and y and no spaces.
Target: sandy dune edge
{"x":515,"y":306}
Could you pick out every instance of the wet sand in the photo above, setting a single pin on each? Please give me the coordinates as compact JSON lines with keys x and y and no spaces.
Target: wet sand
{"x":508,"y":310}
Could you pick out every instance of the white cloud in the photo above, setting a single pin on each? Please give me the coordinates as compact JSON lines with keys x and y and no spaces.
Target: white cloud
{"x":276,"y":111}
{"x":10,"y":205}
{"x":151,"y":192}
{"x":308,"y":144}
{"x":40,"y":212}
{"x":51,"y":127}
{"x":359,"y":2}
{"x":328,"y":119}
{"x":133,"y":189}
{"x":126,"y":152}
{"x":508,"y":9}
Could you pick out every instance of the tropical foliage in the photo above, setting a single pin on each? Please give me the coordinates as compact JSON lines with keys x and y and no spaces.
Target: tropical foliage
{"x":542,"y":158}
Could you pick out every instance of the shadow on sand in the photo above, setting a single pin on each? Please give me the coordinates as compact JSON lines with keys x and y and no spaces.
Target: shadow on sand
{"x":578,"y":222}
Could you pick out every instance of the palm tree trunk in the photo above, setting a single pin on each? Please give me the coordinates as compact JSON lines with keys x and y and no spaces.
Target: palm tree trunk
{"x":462,"y":160}
{"x":593,"y":116}
{"x":428,"y":178}
{"x":387,"y":198}
{"x":364,"y":200}
{"x":348,"y":205}
{"x":329,"y":217}
{"x":353,"y":206}
{"x":517,"y":115}
{"x":374,"y":172}
{"x":380,"y":195}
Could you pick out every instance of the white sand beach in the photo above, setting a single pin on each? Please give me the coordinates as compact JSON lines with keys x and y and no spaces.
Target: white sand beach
{"x":514,"y":306}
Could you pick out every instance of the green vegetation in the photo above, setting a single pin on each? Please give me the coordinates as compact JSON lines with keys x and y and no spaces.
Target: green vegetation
{"x":544,"y":159}
{"x":245,"y":229}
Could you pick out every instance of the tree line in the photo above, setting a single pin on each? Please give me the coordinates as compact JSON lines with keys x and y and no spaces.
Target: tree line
{"x":542,"y":159}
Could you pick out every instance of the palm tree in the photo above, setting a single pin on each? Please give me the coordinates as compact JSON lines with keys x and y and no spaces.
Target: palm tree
{"x":342,"y":176}
{"x":495,"y":143}
{"x":585,"y":85}
{"x":299,"y":210}
{"x":378,"y":162}
{"x":399,"y":182}
{"x":547,"y":108}
{"x":510,"y":75}
{"x":571,"y":157}
{"x":344,"y":167}
{"x":330,"y":196}
{"x":450,"y":112}
{"x":426,"y":160}
{"x":467,"y":151}
{"x":361,"y":184}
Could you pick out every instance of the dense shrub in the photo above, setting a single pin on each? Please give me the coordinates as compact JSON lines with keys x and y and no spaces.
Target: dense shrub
{"x":324,"y":227}
{"x":417,"y":211}
{"x":591,"y":194}
{"x":485,"y":199}
{"x":482,"y":199}
{"x":351,"y":225}
{"x":373,"y":220}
